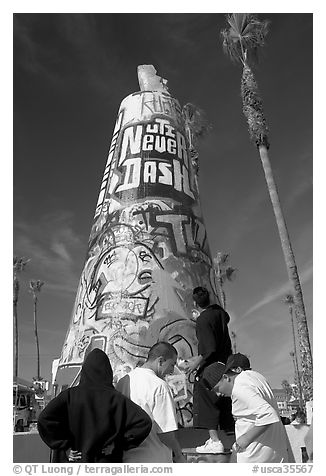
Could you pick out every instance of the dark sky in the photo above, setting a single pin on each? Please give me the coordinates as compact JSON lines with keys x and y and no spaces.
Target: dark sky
{"x":71,"y":71}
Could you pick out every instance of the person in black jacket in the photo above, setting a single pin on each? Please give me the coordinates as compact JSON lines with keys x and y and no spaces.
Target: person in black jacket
{"x":93,"y":418}
{"x":214,"y":345}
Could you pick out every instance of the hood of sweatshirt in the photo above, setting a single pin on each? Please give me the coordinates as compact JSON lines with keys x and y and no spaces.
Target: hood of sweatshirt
{"x":97,"y":370}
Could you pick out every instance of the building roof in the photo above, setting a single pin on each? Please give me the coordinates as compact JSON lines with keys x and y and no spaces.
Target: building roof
{"x":279,"y":393}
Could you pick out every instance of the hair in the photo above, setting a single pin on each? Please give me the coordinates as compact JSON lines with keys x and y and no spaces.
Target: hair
{"x":300,"y":414}
{"x":201,"y":296}
{"x":231,"y":372}
{"x":161,"y":349}
{"x":285,"y":420}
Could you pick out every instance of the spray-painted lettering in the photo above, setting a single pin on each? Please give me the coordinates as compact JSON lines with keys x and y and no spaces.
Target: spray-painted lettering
{"x":154,"y":153}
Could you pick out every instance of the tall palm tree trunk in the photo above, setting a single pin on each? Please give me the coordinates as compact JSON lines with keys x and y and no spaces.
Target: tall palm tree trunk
{"x":18,"y":266}
{"x":293,"y":335}
{"x":220,"y":282}
{"x":223,"y":273}
{"x":241,"y":40}
{"x":222,"y":292}
{"x":36,"y":339}
{"x":15,"y":315}
{"x":35,"y":287}
{"x":234,"y":341}
{"x":297,"y":379}
{"x":295,"y":359}
{"x":303,"y":332}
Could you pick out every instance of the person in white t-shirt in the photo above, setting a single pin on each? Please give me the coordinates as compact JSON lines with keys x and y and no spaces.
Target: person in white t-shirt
{"x":146,"y":387}
{"x":260,"y":434}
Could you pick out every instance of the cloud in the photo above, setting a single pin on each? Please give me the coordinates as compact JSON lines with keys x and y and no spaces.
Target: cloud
{"x":301,"y":181}
{"x":76,"y":47}
{"x":278,"y":292}
{"x":25,"y":43}
{"x":267,"y":340}
{"x":66,"y":287}
{"x":61,"y":251}
{"x":299,"y":191}
{"x":54,"y":248}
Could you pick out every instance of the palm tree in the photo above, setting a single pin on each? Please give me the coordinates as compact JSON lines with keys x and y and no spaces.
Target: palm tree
{"x":290,"y":303}
{"x":297,"y":379}
{"x":234,"y":341}
{"x":287,"y":389}
{"x":297,"y":376}
{"x":19,"y":265}
{"x":241,"y":40}
{"x":35,"y":288}
{"x":196,"y":127}
{"x":223,"y":273}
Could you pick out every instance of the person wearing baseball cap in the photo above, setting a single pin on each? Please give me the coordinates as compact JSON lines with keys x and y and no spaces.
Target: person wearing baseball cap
{"x":260,"y":434}
{"x":238,"y":362}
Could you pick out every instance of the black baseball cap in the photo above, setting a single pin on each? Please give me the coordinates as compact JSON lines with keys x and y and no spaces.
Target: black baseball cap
{"x":212,"y":374}
{"x":237,"y":360}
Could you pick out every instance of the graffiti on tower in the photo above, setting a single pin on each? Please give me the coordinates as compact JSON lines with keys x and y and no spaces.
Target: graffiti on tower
{"x":148,"y":246}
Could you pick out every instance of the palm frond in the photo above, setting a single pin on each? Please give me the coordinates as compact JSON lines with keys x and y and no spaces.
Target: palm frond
{"x":221,"y":265}
{"x":19,"y":263}
{"x":221,"y":258}
{"x":230,"y":273}
{"x":231,"y":47}
{"x":248,"y":28}
{"x":246,"y":33}
{"x":196,"y":119}
{"x":237,"y":21}
{"x":288,"y":299}
{"x":35,"y":286}
{"x":196,"y":127}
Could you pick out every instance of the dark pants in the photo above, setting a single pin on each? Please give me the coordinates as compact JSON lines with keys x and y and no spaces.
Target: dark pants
{"x":211,"y":411}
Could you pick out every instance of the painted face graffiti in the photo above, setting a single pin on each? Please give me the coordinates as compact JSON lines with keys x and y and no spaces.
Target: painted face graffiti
{"x":121,"y":288}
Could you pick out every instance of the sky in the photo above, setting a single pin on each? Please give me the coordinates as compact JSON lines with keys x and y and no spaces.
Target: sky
{"x":70,"y":73}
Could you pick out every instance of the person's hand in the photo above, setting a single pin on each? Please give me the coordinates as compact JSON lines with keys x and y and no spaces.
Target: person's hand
{"x":107,"y":450}
{"x":74,"y":456}
{"x":179,"y":459}
{"x":241,"y":444}
{"x":190,"y":365}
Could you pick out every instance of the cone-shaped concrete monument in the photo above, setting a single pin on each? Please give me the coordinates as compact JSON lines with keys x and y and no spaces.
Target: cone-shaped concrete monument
{"x":148,"y":246}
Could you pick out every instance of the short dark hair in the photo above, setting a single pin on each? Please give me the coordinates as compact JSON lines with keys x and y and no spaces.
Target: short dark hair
{"x":230,"y":372}
{"x":161,"y":349}
{"x":300,"y":414}
{"x":201,"y":296}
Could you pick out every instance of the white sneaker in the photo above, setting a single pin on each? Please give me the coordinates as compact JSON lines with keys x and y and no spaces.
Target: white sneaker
{"x":211,"y":446}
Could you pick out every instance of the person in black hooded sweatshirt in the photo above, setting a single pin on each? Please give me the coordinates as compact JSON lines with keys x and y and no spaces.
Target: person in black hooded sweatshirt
{"x":93,"y":418}
{"x":214,"y":345}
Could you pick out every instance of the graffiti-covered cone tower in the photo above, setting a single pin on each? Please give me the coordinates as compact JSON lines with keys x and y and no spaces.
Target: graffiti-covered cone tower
{"x":148,"y":247}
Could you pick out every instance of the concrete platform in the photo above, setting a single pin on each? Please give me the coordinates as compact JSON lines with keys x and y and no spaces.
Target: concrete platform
{"x":29,"y":448}
{"x":189,"y":438}
{"x":193,"y":457}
